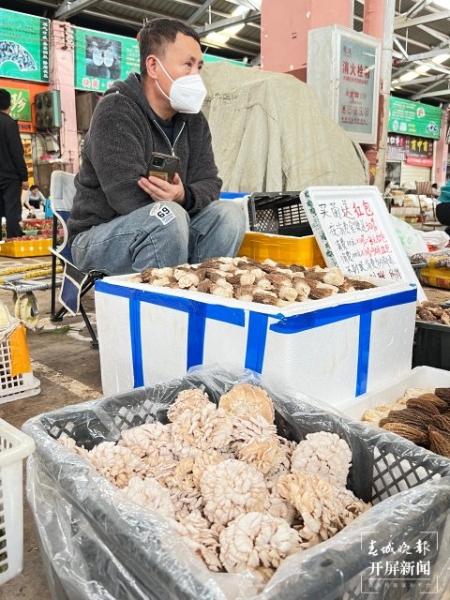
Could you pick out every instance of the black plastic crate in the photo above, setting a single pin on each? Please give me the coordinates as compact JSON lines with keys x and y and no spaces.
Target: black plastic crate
{"x":280,"y":213}
{"x":432,"y":345}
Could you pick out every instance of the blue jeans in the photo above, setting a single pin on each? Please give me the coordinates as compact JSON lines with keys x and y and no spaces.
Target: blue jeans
{"x":160,"y":235}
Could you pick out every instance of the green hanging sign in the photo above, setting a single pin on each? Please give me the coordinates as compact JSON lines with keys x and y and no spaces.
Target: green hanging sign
{"x":24,"y":46}
{"x":414,"y":118}
{"x":102,"y":58}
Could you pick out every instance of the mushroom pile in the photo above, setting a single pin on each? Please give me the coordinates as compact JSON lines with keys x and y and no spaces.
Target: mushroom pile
{"x":267,"y":282}
{"x":432,"y":312}
{"x":420,"y":415}
{"x":240,"y":496}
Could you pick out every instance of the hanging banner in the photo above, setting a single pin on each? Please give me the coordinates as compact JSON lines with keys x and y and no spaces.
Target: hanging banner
{"x":102,"y":58}
{"x":24,"y":46}
{"x":414,"y":118}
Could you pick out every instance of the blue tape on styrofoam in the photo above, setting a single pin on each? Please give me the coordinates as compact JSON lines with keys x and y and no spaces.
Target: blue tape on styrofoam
{"x":256,"y":341}
{"x":198,"y":313}
{"x":258,"y":327}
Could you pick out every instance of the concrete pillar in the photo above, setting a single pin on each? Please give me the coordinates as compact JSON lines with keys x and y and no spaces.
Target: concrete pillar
{"x":62,"y":79}
{"x":284,"y":30}
{"x":379,"y":23}
{"x":439,"y":173}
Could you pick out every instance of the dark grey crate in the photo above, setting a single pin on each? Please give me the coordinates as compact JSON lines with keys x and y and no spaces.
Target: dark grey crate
{"x":280,"y":213}
{"x":432,"y":345}
{"x":131,"y":555}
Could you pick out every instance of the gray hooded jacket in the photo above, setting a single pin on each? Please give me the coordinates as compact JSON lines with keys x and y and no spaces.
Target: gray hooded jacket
{"x":123,"y":133}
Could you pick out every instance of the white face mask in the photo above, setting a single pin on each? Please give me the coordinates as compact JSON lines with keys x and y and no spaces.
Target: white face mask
{"x":187,"y":93}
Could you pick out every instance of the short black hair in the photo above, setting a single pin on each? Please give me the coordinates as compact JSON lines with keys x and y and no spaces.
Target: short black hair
{"x":33,"y":187}
{"x":5,"y":99}
{"x":156,"y":34}
{"x":434,"y":185}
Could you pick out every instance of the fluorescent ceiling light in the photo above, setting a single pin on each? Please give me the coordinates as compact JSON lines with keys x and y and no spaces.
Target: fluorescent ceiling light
{"x":409,"y":76}
{"x":440,"y":58}
{"x":222,"y":37}
{"x":442,"y":3}
{"x":422,"y":68}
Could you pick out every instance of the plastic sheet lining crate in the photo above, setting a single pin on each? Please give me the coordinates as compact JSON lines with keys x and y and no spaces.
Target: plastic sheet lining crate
{"x":14,"y":447}
{"x":432,"y":345}
{"x":19,"y":386}
{"x":278,"y":212}
{"x":122,"y":551}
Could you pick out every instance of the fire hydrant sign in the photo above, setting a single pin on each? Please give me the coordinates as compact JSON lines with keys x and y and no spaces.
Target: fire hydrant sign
{"x":354,"y":231}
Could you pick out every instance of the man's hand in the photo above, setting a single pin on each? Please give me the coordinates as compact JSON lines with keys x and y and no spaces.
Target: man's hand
{"x":159,"y":189}
{"x":25,"y":185}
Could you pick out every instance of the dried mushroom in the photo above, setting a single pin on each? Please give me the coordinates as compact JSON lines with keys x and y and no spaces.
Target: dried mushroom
{"x":150,"y":494}
{"x":323,"y":454}
{"x":256,"y":540}
{"x":247,"y":400}
{"x":268,"y":282}
{"x":235,"y":491}
{"x":232,"y":488}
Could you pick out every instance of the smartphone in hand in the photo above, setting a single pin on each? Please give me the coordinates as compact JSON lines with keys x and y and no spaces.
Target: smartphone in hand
{"x":163,"y":166}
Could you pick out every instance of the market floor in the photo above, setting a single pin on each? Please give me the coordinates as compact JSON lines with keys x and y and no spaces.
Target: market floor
{"x":69,"y":373}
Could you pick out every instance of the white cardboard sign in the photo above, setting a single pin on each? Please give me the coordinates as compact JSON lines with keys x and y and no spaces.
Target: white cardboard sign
{"x":354,"y":232}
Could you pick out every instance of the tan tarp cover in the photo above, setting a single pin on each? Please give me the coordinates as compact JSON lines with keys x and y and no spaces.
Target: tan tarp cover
{"x":269,"y":133}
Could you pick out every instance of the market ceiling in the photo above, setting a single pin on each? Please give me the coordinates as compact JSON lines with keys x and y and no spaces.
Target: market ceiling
{"x":232,"y":28}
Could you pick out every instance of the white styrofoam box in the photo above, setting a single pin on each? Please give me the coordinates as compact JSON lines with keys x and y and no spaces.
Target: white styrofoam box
{"x":423,"y":377}
{"x":332,"y":349}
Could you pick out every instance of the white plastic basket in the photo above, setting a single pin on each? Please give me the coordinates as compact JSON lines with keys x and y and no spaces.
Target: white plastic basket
{"x":14,"y":447}
{"x":19,"y":386}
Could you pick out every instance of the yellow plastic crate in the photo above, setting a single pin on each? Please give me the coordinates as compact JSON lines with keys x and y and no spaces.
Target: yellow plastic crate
{"x":439,"y":278}
{"x":282,"y":248}
{"x":25,"y":248}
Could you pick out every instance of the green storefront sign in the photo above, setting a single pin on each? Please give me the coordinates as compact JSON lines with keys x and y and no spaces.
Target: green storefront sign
{"x":102,"y":58}
{"x":24,"y":46}
{"x":20,"y":104}
{"x":414,"y":118}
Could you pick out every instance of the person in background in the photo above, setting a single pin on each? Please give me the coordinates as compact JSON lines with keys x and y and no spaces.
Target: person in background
{"x":13,"y":169}
{"x":434,"y":190}
{"x":123,"y":220}
{"x":443,"y":206}
{"x":34,"y":198}
{"x":387,"y":194}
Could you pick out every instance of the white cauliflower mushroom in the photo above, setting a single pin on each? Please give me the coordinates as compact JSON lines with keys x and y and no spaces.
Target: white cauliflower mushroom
{"x":151,"y":441}
{"x":246,"y":400}
{"x":203,"y":428}
{"x":191,"y":400}
{"x":150,"y":494}
{"x":116,"y":463}
{"x":256,"y":541}
{"x":323,"y":511}
{"x":232,"y":488}
{"x":324,"y":454}
{"x":265,"y":454}
{"x":71,"y":444}
{"x":196,"y":532}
